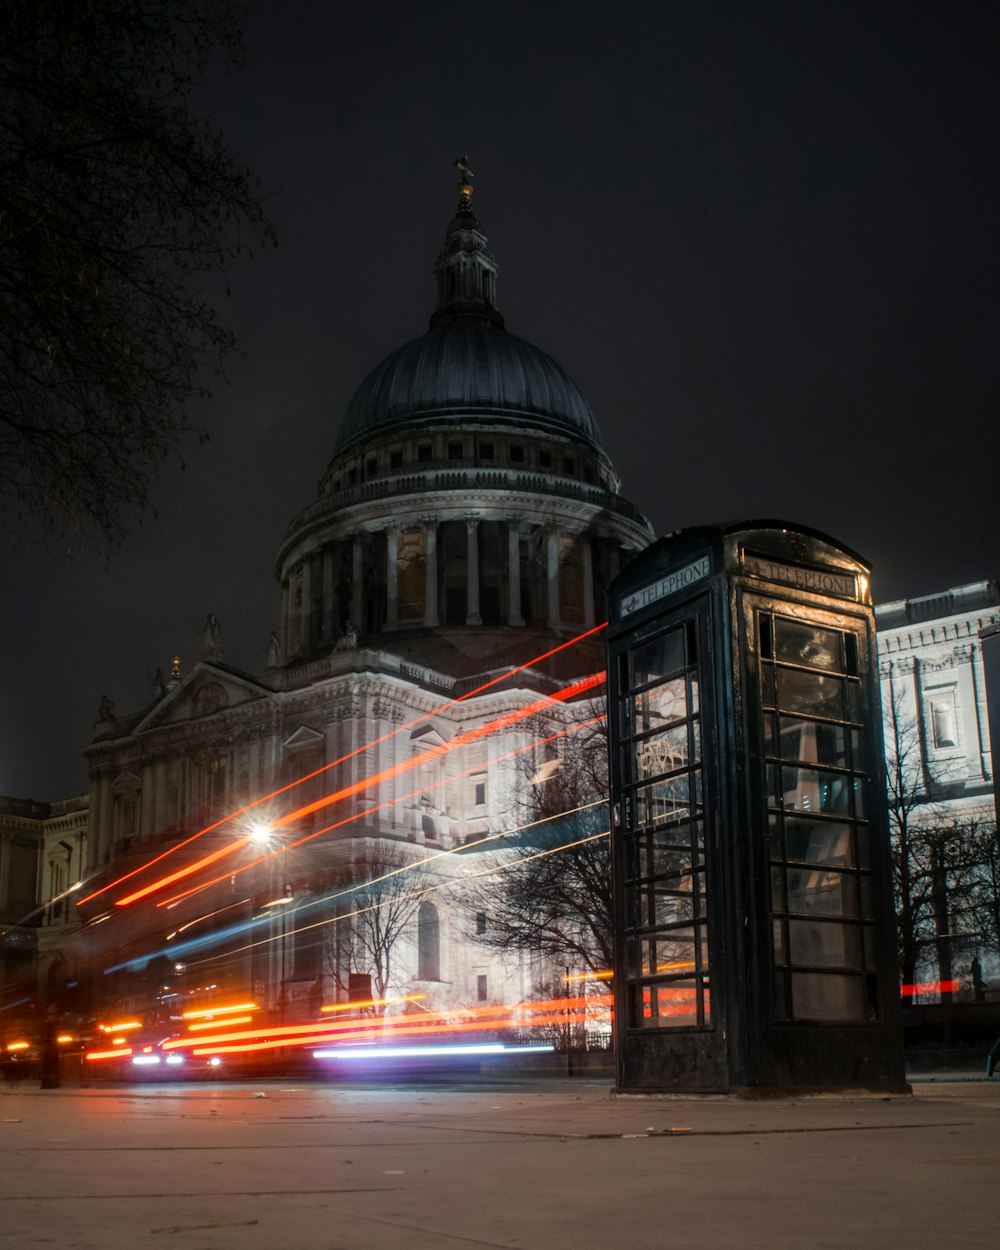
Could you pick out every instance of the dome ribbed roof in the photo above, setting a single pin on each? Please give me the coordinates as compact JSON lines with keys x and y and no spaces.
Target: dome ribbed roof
{"x":466,"y":370}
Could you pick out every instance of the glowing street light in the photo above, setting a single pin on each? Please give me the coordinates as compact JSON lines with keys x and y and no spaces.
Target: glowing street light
{"x":260,"y":834}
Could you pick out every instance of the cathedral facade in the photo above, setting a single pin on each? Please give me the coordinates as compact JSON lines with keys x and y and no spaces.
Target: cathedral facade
{"x":422,"y":668}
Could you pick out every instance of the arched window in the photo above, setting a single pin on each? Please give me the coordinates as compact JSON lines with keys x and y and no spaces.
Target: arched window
{"x":428,"y":943}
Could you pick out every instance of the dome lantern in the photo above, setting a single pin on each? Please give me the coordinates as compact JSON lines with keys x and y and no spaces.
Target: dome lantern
{"x":466,"y":270}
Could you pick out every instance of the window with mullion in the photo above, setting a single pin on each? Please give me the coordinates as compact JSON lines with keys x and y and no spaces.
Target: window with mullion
{"x":811,"y":737}
{"x":665,"y":887}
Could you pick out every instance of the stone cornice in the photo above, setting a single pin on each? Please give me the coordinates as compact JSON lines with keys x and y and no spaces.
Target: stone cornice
{"x":453,"y":494}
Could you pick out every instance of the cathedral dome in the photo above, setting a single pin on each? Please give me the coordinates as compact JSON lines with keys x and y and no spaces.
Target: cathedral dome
{"x":464,"y":369}
{"x":467,"y":368}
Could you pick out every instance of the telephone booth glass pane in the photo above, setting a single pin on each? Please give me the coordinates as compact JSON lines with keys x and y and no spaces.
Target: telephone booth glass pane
{"x":665,"y":891}
{"x":816,"y":781}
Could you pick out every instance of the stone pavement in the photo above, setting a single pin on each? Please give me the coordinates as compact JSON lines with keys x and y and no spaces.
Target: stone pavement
{"x":538,"y":1164}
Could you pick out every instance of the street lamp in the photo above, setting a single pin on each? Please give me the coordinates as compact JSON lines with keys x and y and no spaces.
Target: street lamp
{"x":259,"y":835}
{"x":264,"y":841}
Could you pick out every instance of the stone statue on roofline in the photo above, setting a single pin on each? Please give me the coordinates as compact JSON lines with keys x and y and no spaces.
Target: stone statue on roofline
{"x":211,"y":636}
{"x":273,"y":650}
{"x":348,"y":640}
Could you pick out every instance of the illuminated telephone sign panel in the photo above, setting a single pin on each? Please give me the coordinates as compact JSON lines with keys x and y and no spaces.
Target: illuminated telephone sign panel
{"x":753,"y":931}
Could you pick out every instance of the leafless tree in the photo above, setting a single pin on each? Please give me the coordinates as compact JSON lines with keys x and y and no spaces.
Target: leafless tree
{"x":119,"y":210}
{"x":373,"y":908}
{"x":555,"y":899}
{"x":946,"y":867}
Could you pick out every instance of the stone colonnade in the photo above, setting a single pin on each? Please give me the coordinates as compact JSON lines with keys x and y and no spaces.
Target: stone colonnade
{"x":312,"y":600}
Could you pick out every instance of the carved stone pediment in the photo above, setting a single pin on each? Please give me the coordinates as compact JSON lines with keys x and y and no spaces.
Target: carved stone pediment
{"x":302,"y":738}
{"x":207,"y":690}
{"x":126,"y":783}
{"x":425,"y":738}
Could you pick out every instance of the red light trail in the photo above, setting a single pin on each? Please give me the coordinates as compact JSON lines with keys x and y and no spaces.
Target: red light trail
{"x":205,"y":885}
{"x":494,"y":681}
{"x":357,"y":787}
{"x":929,"y":987}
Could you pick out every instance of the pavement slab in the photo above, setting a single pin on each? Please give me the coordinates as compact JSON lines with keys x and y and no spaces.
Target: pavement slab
{"x":541,"y":1164}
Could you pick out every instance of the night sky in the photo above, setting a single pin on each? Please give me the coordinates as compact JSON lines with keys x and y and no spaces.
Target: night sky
{"x":762,"y":239}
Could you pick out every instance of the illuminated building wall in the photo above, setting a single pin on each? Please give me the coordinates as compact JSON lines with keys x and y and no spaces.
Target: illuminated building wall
{"x":936,"y":711}
{"x":931,"y":666}
{"x":467,"y":523}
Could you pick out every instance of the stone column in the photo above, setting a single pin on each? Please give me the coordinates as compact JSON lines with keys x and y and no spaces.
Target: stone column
{"x":586,"y":550}
{"x":305,"y":608}
{"x":980,"y":705}
{"x":144,"y":816}
{"x":391,"y":573}
{"x":160,"y":820}
{"x":357,"y":584}
{"x":286,"y":616}
{"x":430,"y":571}
{"x":472,"y":616}
{"x":329,"y":625}
{"x":552,"y":568}
{"x":514,"y":616}
{"x":102,"y":823}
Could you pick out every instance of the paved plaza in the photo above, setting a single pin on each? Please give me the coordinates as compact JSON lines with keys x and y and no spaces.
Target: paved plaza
{"x":539,"y":1164}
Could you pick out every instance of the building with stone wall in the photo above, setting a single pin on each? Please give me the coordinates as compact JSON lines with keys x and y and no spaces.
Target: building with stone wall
{"x":466,"y":525}
{"x":941,"y":780}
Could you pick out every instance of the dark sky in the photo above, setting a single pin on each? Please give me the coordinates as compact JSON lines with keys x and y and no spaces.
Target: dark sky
{"x":762,"y":238}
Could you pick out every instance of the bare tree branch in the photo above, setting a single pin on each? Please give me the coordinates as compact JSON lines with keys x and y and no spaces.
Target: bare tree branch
{"x":120,"y":210}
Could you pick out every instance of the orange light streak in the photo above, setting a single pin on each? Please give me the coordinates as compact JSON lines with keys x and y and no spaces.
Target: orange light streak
{"x":214,"y":1024}
{"x":219,"y":1011}
{"x":374,"y":1002}
{"x":122,"y":1053}
{"x":204,"y":862}
{"x":121,"y":1028}
{"x":471,"y":735}
{"x":388,"y":1033}
{"x":539,"y":1011}
{"x":19,"y":1046}
{"x":419,"y":720}
{"x":398,"y":769}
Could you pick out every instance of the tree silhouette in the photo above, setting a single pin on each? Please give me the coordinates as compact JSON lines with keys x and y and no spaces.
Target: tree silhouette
{"x":119,"y":210}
